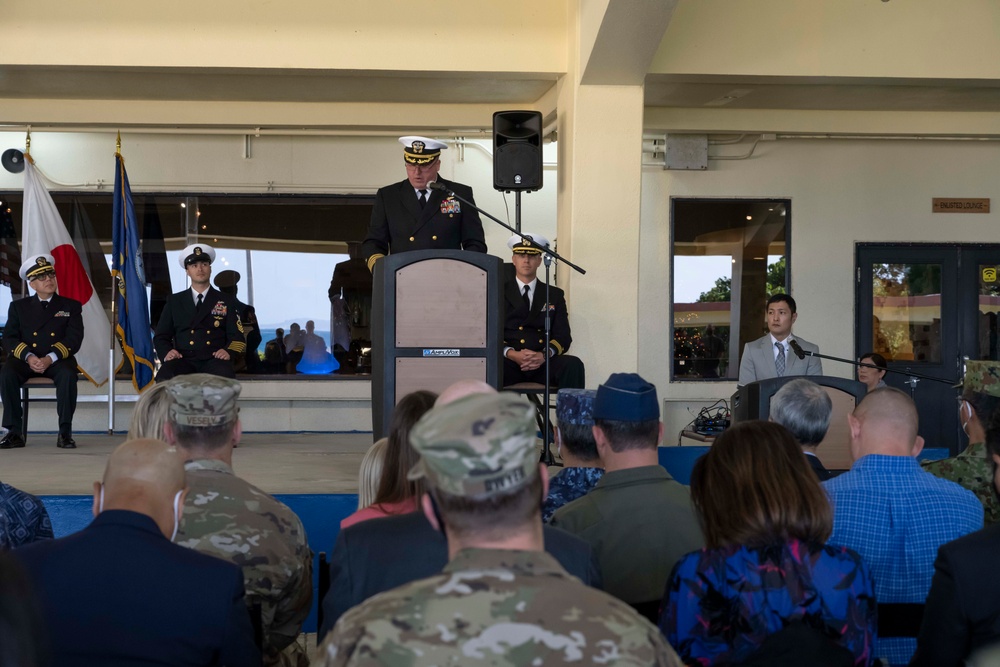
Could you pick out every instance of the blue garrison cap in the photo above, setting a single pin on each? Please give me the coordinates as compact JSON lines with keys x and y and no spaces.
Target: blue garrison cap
{"x":626,"y":397}
{"x":575,"y":406}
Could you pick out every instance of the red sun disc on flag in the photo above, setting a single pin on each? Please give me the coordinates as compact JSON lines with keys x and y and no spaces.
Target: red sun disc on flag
{"x":70,"y":274}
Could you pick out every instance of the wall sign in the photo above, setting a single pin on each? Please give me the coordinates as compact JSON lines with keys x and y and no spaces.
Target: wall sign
{"x":944,"y":205}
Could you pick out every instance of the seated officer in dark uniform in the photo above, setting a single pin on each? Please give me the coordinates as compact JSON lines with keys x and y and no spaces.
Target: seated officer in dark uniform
{"x":199,"y":330}
{"x":410,"y":216}
{"x":228,"y":283}
{"x":525,"y":356}
{"x":43,"y":333}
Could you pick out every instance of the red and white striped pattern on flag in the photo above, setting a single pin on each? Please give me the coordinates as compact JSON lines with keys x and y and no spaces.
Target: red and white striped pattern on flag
{"x":44,"y":231}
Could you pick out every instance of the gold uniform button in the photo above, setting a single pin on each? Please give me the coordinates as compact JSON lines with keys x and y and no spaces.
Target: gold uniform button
{"x":411,"y":239}
{"x":434,"y":238}
{"x":35,"y":334}
{"x":520,"y":328}
{"x":522,"y":340}
{"x":541,"y":340}
{"x":190,"y":342}
{"x":34,"y":345}
{"x":53,"y":335}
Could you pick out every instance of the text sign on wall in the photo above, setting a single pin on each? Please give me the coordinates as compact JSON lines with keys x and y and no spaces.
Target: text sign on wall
{"x":944,"y":205}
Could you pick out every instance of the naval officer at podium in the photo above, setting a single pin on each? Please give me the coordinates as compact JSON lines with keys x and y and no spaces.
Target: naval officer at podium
{"x":409,"y":215}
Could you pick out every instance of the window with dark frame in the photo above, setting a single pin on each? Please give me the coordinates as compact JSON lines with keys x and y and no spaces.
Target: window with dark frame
{"x":727,"y":257}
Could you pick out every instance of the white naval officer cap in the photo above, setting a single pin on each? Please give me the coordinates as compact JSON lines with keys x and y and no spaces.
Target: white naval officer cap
{"x":37,"y":266}
{"x":196,"y":252}
{"x":521,"y":246}
{"x":421,"y":150}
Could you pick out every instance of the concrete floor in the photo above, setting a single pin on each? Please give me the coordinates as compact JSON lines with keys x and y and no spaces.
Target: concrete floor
{"x":277,"y":463}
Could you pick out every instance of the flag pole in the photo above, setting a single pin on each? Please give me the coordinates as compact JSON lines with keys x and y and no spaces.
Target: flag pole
{"x":114,"y":307}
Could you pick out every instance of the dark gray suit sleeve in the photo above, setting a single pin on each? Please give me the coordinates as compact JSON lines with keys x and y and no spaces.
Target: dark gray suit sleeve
{"x":339,"y":598}
{"x":239,"y":648}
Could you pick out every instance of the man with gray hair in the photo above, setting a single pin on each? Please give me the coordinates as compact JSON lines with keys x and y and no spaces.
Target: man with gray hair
{"x":228,"y":517}
{"x":804,"y":407}
{"x":501,"y":599}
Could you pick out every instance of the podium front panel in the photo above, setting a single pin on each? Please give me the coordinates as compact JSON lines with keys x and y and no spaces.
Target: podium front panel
{"x":414,"y":373}
{"x":426,"y":312}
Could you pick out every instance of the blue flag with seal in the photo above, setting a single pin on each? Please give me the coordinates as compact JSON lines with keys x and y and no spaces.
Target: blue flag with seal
{"x":132,"y":325}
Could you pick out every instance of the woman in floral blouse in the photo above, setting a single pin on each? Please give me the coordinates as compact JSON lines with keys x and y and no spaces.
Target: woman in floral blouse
{"x":766,"y":566}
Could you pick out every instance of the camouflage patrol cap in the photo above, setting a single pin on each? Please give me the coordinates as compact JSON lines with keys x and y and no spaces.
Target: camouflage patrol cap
{"x":478,"y":446}
{"x":575,"y":406}
{"x":982,"y":377}
{"x":200,"y":399}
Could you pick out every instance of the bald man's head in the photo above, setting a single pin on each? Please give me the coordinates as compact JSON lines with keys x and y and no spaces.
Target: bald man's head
{"x":885,"y":422}
{"x":461,"y":389}
{"x":143,"y":476}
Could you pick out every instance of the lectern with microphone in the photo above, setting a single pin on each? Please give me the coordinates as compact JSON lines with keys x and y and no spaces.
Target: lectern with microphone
{"x":436,"y":319}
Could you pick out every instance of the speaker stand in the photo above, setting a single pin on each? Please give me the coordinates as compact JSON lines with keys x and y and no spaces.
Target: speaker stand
{"x":517,"y":211}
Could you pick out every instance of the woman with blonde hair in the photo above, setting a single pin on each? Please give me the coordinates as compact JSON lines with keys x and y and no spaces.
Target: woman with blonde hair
{"x":396,"y":493}
{"x":150,"y":413}
{"x":766,"y":580}
{"x":370,"y":473}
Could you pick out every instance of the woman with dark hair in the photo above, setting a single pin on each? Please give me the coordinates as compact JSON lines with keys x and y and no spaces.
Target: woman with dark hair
{"x":396,"y":494}
{"x":872,"y":377}
{"x":766,"y":571}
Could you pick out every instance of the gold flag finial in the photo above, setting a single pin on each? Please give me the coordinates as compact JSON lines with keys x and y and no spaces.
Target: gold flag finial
{"x":118,"y":143}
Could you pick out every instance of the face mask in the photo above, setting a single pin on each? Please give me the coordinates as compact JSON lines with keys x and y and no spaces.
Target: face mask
{"x":177,"y":514}
{"x":961,"y":413}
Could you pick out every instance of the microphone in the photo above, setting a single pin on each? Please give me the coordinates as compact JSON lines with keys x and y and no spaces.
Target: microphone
{"x":434,"y":185}
{"x":799,"y":352}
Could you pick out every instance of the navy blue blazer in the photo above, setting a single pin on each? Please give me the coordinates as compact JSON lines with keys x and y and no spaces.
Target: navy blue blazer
{"x":378,"y":555}
{"x":119,"y":593}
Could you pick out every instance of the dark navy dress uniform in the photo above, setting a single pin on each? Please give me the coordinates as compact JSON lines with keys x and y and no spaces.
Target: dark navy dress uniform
{"x":399,"y":224}
{"x":197,"y":333}
{"x":39,"y":328}
{"x":524,"y":329}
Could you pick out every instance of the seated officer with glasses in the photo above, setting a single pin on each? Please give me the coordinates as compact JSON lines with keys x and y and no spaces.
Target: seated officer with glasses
{"x":43,"y":333}
{"x":410,"y":216}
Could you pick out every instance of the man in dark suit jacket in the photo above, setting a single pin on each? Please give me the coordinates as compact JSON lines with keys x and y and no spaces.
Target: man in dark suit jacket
{"x":804,"y":408}
{"x":409,"y":215}
{"x":119,"y":593}
{"x":962,"y":614}
{"x":773,"y":355}
{"x":525,"y":356}
{"x":200,"y":329}
{"x":43,"y":333}
{"x":366,"y":560}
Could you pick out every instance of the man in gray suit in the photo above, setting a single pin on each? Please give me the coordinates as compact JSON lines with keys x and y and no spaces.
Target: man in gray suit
{"x":772,"y":355}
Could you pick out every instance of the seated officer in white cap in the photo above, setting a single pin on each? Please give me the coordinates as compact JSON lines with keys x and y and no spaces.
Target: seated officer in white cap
{"x":409,"y":215}
{"x":43,"y":333}
{"x":199,"y":330}
{"x":525,"y":355}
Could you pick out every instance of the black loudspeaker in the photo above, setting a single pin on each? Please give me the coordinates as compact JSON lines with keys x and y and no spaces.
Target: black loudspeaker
{"x":517,"y":150}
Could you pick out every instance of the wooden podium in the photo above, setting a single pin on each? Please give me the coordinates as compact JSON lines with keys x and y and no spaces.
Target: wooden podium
{"x":437,"y":317}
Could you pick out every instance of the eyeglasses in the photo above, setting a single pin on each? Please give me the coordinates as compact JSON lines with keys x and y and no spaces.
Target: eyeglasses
{"x":44,"y":276}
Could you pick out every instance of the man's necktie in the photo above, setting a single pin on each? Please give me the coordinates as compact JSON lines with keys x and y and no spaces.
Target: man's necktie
{"x":423,"y":198}
{"x":527,"y":297}
{"x":198,"y":307}
{"x":779,"y":361}
{"x":45,"y":305}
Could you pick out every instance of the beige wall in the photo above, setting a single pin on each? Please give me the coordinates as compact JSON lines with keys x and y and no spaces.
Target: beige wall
{"x":446,"y":35}
{"x":842,"y":192}
{"x":919,"y":39}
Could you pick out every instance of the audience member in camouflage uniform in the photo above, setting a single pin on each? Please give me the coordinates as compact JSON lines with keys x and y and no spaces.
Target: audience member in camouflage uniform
{"x":501,"y":600}
{"x":972,"y":468}
{"x":226,"y":516}
{"x":577,"y":449}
